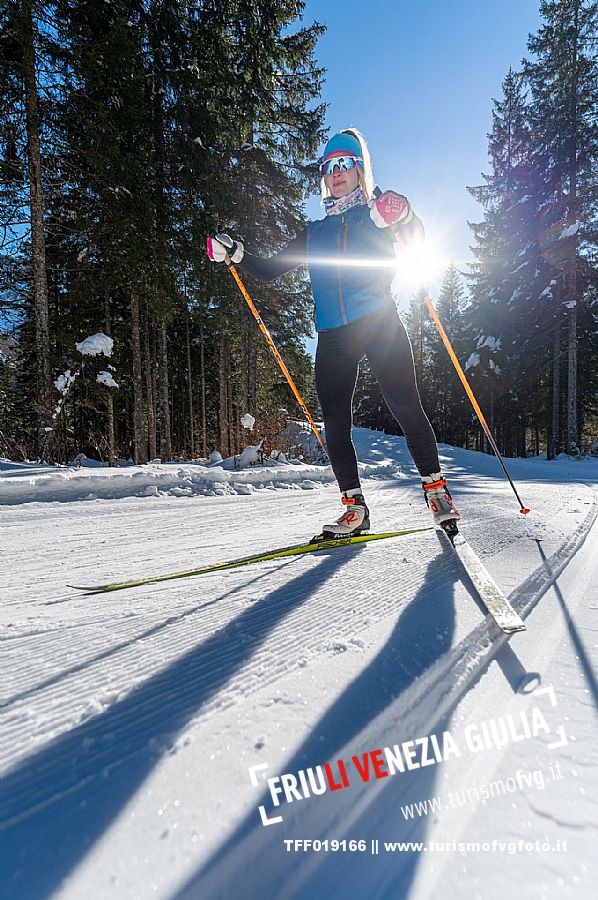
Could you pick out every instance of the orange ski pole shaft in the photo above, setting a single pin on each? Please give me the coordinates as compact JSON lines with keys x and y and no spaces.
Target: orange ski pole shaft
{"x":471,"y":396}
{"x":272,"y":346}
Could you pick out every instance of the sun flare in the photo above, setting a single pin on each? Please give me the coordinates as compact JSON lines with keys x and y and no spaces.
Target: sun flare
{"x":420,"y":263}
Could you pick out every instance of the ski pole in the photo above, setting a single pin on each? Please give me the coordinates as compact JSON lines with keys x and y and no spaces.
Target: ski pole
{"x":470,"y":394}
{"x":399,"y":240}
{"x":272,"y":346}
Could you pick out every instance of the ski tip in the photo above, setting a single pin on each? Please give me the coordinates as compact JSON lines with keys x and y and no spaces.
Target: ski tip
{"x":90,"y":589}
{"x":524,"y":511}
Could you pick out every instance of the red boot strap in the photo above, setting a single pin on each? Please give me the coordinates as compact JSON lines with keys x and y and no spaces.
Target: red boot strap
{"x":348,"y":501}
{"x":435,"y":484}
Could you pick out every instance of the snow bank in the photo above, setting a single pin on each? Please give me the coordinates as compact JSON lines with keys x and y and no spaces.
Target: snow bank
{"x":134,"y":720}
{"x":66,"y":484}
{"x":242,"y":474}
{"x":381,"y":457}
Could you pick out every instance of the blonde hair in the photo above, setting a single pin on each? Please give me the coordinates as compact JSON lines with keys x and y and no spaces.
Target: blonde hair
{"x":365,"y":174}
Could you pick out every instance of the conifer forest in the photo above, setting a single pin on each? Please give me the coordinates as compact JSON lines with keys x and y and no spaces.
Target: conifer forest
{"x":130,"y":128}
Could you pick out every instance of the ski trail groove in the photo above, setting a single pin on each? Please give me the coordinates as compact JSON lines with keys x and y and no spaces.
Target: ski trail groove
{"x":213,"y":651}
{"x":226,"y":660}
{"x":419,"y":710}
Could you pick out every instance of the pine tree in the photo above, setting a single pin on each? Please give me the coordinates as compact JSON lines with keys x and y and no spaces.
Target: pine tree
{"x":369,"y":407}
{"x":563,"y":78}
{"x":512,"y":282}
{"x":25,"y":35}
{"x":447,"y":404}
{"x":164,"y":120}
{"x":421,"y":331}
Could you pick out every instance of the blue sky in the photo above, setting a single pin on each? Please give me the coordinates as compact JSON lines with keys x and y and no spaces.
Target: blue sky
{"x":418,"y":79}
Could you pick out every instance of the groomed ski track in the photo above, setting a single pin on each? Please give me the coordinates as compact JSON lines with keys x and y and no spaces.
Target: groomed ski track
{"x":130,"y":721}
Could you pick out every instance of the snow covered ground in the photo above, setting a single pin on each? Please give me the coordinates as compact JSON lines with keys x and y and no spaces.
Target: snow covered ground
{"x":139,"y":728}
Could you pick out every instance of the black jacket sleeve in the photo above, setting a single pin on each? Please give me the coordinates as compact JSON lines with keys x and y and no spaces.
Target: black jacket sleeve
{"x":292,"y":255}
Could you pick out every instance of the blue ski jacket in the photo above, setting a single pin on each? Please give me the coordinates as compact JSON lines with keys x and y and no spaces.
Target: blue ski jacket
{"x":351,"y":264}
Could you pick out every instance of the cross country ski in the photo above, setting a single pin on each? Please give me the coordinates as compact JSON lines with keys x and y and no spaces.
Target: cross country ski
{"x":488,"y":591}
{"x":316,"y":544}
{"x":507,"y":619}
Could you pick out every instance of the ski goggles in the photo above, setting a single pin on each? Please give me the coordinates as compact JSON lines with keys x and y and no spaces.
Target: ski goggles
{"x":344,"y":163}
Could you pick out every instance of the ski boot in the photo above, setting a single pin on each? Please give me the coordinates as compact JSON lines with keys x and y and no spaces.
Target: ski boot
{"x":440,"y":502}
{"x":355,"y":520}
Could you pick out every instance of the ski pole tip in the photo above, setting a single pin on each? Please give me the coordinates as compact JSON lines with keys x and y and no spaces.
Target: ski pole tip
{"x":524,"y":511}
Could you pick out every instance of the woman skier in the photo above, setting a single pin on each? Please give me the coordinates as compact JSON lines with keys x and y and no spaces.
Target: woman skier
{"x":351,"y":262}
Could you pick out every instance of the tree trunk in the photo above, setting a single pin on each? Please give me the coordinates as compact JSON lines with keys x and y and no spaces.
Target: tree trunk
{"x":177,"y":412}
{"x":59,"y":435}
{"x":139,"y":445}
{"x":165,"y":437}
{"x":556,"y":391}
{"x":232,"y":435}
{"x":521,"y":437}
{"x":252,"y":386}
{"x":38,"y":241}
{"x":572,"y":263}
{"x":572,"y":380}
{"x":190,"y":386}
{"x":148,"y":367}
{"x":110,"y":400}
{"x":154,"y":382}
{"x":160,"y":221}
{"x":204,"y":425}
{"x":223,"y":377}
{"x":245,"y":339}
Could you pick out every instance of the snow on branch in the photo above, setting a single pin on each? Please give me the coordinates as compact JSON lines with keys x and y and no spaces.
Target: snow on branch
{"x":95,"y":345}
{"x":98,"y":344}
{"x":569,"y":231}
{"x":473,"y":361}
{"x":491,"y":342}
{"x":107,"y":379}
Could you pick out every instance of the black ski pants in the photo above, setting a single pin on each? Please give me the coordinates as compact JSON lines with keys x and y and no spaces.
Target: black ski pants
{"x":381,"y":337}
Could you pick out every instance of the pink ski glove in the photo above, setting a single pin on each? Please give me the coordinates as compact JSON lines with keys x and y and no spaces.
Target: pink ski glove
{"x":390,"y":209}
{"x":218,"y":245}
